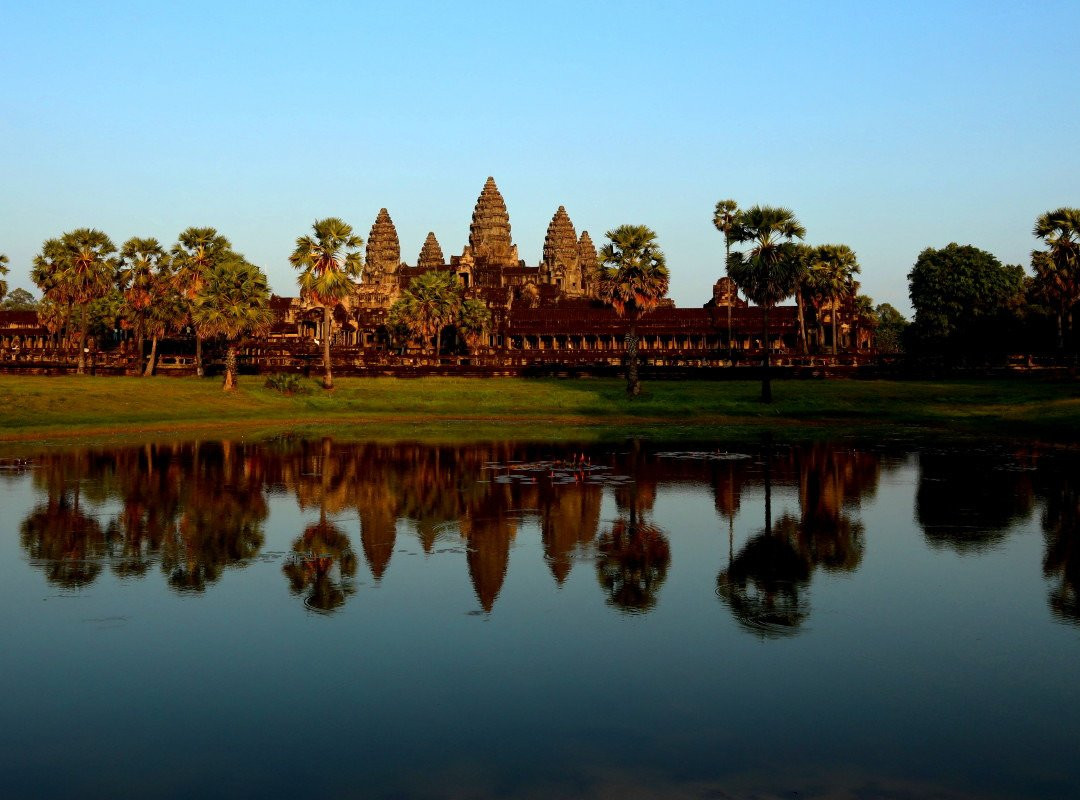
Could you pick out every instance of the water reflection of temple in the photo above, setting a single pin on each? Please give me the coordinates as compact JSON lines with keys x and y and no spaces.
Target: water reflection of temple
{"x":192,"y":511}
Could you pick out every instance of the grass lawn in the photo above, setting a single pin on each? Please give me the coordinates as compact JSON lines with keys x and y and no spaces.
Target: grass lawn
{"x":42,"y":408}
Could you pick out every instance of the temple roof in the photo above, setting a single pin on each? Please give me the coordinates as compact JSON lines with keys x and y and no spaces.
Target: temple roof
{"x":489,"y":234}
{"x":561,"y":242}
{"x":587,"y":258}
{"x":383,"y":247}
{"x":431,"y":254}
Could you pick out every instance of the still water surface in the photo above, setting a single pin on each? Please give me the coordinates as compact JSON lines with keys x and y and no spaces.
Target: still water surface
{"x":317,"y":618}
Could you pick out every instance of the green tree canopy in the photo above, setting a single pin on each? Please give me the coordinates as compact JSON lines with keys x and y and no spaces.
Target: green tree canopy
{"x":143,"y":263}
{"x":961,"y":296}
{"x":329,"y":262}
{"x":1057,"y":269}
{"x":432,"y":301}
{"x":19,"y":300}
{"x":769,"y":271}
{"x":233,"y":301}
{"x":474,"y":320}
{"x":889,"y":328}
{"x":633,"y":282}
{"x":72,"y":272}
{"x":3,"y":271}
{"x":833,"y":268}
{"x":196,"y":252}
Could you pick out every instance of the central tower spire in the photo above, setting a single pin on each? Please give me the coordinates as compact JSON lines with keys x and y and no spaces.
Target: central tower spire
{"x":489,"y":234}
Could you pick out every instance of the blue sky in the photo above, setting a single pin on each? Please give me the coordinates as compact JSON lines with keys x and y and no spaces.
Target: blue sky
{"x":887,"y":128}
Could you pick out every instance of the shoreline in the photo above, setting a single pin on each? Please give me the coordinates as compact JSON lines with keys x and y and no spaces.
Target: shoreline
{"x":69,"y":409}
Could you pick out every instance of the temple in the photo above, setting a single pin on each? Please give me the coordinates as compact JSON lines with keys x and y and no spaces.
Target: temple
{"x":546,"y":318}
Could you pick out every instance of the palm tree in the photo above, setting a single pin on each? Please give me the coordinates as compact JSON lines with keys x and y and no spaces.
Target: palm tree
{"x":725,"y":218}
{"x":329,"y":263}
{"x":833,"y":268}
{"x":803,"y":287}
{"x":196,"y":252}
{"x":473,"y":320}
{"x":432,"y":301}
{"x":168,"y":313}
{"x":233,"y":300}
{"x":142,"y":261}
{"x":1057,"y":269}
{"x":72,"y":272}
{"x":633,"y":282}
{"x":768,"y":273}
{"x":3,"y":271}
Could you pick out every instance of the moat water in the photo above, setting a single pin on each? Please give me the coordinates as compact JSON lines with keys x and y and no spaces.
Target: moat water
{"x":322,"y":619}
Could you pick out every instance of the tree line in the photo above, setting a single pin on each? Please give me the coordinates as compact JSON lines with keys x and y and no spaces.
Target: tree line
{"x":967,"y":304}
{"x":970,"y":308}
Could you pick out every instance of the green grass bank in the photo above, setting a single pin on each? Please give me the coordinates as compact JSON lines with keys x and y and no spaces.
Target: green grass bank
{"x":42,"y":408}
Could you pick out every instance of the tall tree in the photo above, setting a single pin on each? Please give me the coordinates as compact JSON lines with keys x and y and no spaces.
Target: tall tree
{"x":234,"y":300}
{"x":3,"y":271}
{"x":634,"y":281}
{"x":168,"y":313}
{"x":889,"y":329}
{"x":19,"y":300}
{"x":803,"y":290}
{"x":1057,"y":269}
{"x":963,"y":299}
{"x":72,"y":272}
{"x":725,"y":218}
{"x":142,"y":263}
{"x":432,"y":301}
{"x":196,"y":252}
{"x":832,"y":274}
{"x":329,"y":262}
{"x":768,"y":272}
{"x":474,"y":320}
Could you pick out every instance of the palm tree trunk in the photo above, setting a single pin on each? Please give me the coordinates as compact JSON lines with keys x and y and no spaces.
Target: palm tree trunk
{"x":81,"y":368}
{"x":768,"y":483}
{"x":140,"y":343}
{"x":633,"y":384}
{"x":152,"y":362}
{"x":328,"y":376}
{"x":834,"y":327}
{"x":802,"y":322}
{"x":230,"y":366}
{"x":198,"y":356}
{"x":766,"y":384}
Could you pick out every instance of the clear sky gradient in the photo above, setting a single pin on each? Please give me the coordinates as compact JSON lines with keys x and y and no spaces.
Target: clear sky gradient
{"x":887,"y":127}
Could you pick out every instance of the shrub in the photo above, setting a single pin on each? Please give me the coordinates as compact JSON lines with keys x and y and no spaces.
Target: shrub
{"x":287,"y":383}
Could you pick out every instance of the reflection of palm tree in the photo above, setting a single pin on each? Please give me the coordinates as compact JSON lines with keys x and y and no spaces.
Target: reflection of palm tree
{"x":762,"y":586}
{"x":69,"y":544}
{"x":322,"y":566}
{"x":221,"y":522}
{"x":1061,"y":562}
{"x":632,"y":562}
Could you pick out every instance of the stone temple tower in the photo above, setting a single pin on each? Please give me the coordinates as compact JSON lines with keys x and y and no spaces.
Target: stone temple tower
{"x":489,"y":234}
{"x":431,"y":254}
{"x":589,"y":262}
{"x":383,"y":251}
{"x":561,"y":264}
